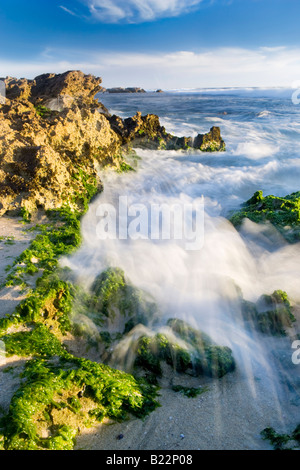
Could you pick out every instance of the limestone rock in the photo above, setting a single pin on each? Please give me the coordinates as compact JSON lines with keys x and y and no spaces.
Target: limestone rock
{"x":54,"y":137}
{"x":47,"y":156}
{"x":147,"y":132}
{"x":73,"y":83}
{"x":18,"y":89}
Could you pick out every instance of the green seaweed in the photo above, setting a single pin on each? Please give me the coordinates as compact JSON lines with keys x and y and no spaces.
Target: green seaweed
{"x":113,"y":394}
{"x":39,"y":342}
{"x":42,"y":111}
{"x":189,"y":392}
{"x":124,"y":167}
{"x":282,"y":212}
{"x":207,"y":358}
{"x":112,"y":295}
{"x":25,"y":214}
{"x":200,"y":354}
{"x":271,"y":314}
{"x":281,"y":441}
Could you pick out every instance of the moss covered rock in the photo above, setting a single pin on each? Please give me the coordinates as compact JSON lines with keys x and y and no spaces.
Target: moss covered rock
{"x":119,"y":302}
{"x":192,"y":350}
{"x":207,"y":357}
{"x":271,"y":314}
{"x":282,"y":212}
{"x":56,"y":398}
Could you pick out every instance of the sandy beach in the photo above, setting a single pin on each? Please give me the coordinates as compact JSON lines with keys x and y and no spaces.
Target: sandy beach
{"x":13,"y":241}
{"x":228,"y":416}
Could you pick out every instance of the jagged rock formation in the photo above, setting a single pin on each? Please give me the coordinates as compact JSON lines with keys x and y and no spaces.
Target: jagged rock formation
{"x":54,"y":137}
{"x":47,"y":157}
{"x":146,"y":132}
{"x":56,"y":91}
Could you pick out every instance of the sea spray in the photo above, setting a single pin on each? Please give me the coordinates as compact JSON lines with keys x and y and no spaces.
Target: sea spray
{"x":206,"y":287}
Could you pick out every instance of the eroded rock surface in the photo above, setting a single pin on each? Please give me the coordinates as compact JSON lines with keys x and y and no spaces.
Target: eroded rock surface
{"x":54,"y":137}
{"x":147,"y":132}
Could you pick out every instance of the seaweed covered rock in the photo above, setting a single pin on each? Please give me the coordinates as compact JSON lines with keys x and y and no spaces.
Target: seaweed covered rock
{"x":58,"y":398}
{"x":207,"y":358}
{"x":189,"y":350}
{"x":271,"y":314}
{"x":152,"y":350}
{"x":282,"y":212}
{"x":282,"y":441}
{"x":147,"y":132}
{"x":118,"y":304}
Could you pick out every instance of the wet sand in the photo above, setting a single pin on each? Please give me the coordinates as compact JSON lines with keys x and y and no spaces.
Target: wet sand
{"x":229,"y":416}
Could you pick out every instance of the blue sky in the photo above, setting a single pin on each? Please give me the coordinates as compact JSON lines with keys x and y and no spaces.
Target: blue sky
{"x":154,"y":43}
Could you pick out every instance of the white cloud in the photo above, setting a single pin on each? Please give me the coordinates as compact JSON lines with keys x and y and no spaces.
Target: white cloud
{"x":136,"y":11}
{"x":67,"y":10}
{"x":219,"y":67}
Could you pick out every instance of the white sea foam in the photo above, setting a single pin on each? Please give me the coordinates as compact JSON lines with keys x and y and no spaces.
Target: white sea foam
{"x":203,"y":286}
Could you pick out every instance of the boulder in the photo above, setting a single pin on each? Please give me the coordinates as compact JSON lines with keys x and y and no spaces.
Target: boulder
{"x":185,"y":349}
{"x":271,"y":314}
{"x":118,"y":305}
{"x":282,"y":212}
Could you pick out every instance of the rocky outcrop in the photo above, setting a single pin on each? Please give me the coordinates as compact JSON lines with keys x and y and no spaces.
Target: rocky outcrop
{"x":282,"y":212}
{"x":125,"y":90}
{"x":47,"y":157}
{"x":146,"y":132}
{"x":56,"y":92}
{"x":54,"y":137}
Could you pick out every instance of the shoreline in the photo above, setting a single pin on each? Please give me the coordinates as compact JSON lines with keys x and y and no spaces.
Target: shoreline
{"x":38,"y":325}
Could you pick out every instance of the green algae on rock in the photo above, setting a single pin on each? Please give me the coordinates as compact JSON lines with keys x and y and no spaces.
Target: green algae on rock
{"x":113,"y":296}
{"x":282,"y":212}
{"x":282,"y":441}
{"x":57,"y":397}
{"x":271,"y":314}
{"x":193,"y":350}
{"x":207,"y":358}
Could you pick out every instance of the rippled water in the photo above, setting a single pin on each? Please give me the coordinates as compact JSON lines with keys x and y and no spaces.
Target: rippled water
{"x":262,"y":136}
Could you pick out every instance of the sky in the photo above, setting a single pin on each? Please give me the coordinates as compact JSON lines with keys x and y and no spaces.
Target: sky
{"x":153,"y":44}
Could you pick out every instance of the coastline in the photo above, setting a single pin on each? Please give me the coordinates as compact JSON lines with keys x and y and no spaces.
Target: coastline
{"x":204,"y":422}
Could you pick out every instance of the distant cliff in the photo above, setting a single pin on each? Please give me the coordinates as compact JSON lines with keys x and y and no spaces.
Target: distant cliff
{"x":124,"y":90}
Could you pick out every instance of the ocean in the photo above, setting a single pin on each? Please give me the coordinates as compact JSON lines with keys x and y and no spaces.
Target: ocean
{"x":261,"y":129}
